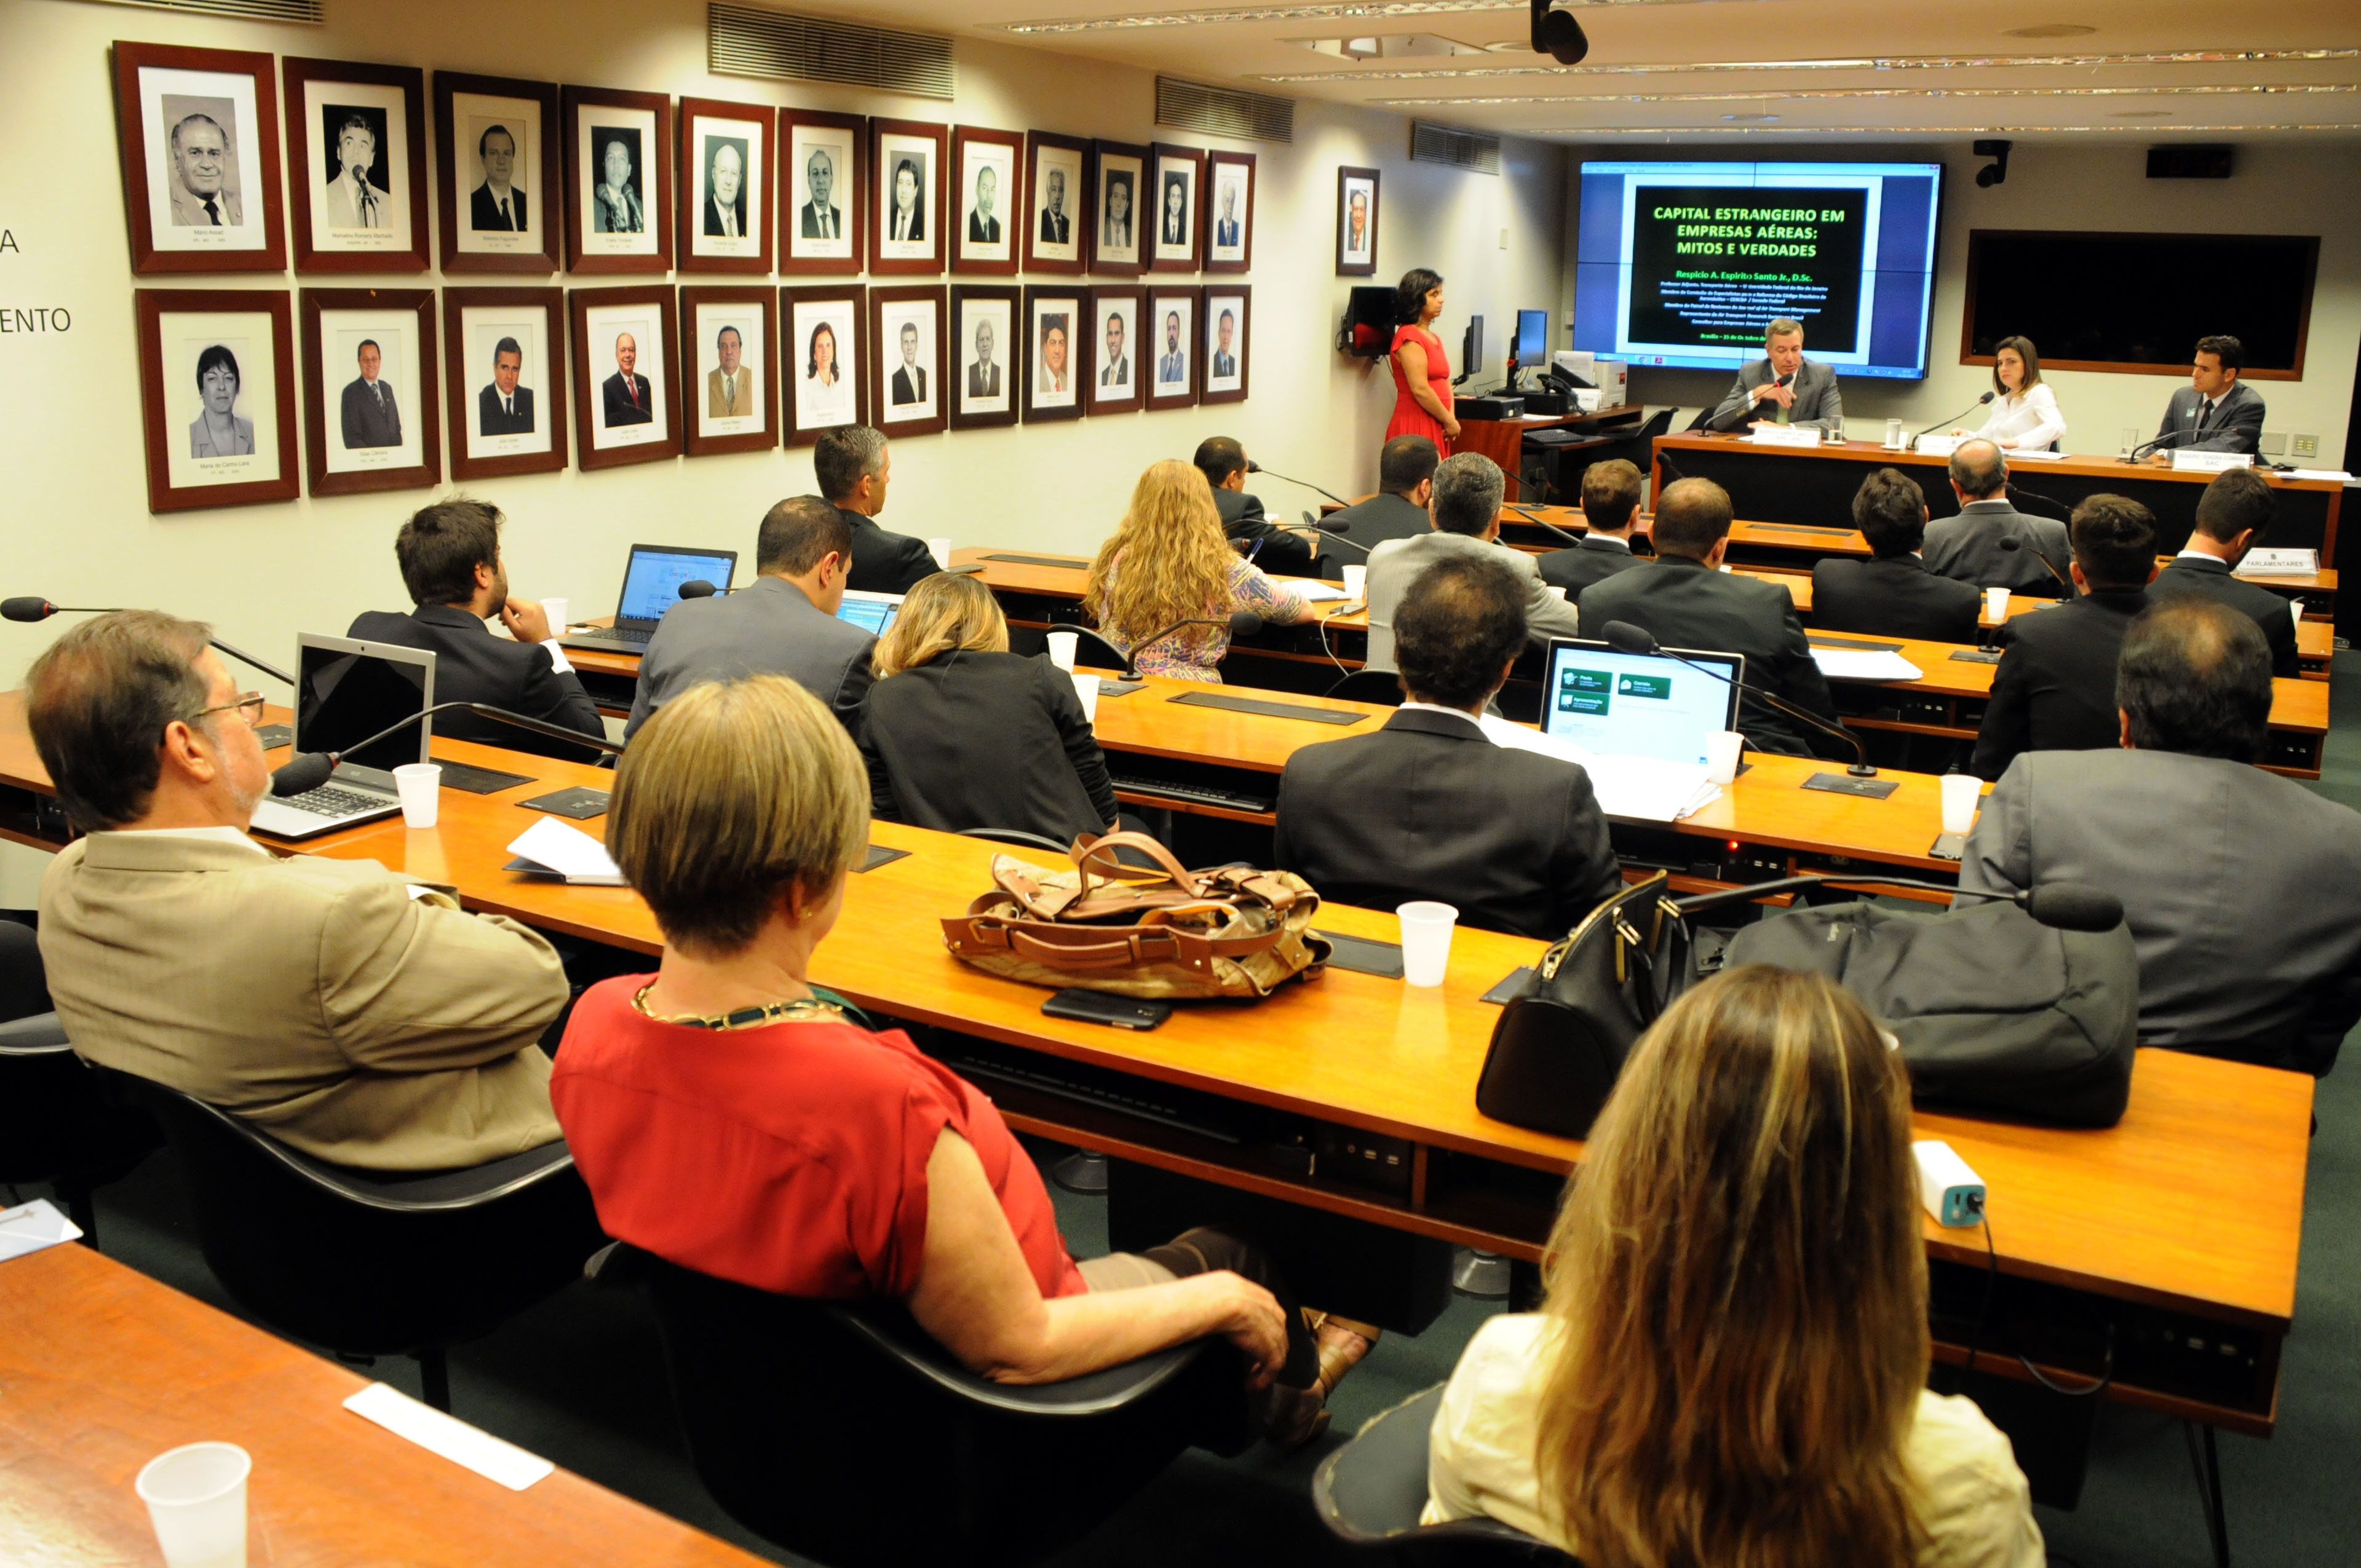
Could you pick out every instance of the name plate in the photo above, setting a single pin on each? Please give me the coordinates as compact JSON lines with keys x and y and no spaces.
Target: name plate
{"x":2187,"y":461}
{"x":1937,"y":445}
{"x":1786,"y":435}
{"x":2279,"y":563}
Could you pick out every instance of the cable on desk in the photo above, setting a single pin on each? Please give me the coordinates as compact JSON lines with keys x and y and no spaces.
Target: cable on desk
{"x":1984,"y":1311}
{"x":2089,"y":1390}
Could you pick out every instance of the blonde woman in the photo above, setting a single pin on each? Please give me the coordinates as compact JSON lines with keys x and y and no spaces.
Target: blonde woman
{"x":1732,"y":1365}
{"x":1167,"y":562}
{"x":958,"y":732}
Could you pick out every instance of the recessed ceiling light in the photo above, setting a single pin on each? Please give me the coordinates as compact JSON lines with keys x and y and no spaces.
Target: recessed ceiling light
{"x":2141,"y":114}
{"x":1749,"y":119}
{"x":1384,"y":46}
{"x":2050,"y":30}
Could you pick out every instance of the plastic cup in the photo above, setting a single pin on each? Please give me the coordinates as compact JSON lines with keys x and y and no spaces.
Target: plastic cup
{"x":421,"y":788}
{"x":1426,"y":941}
{"x":1893,"y":435}
{"x":196,"y":1499}
{"x":1959,"y":793}
{"x":2131,"y":439}
{"x":1357,"y":582}
{"x":941,"y":551}
{"x":1063,"y":645}
{"x":1996,"y":605}
{"x":1721,"y":753}
{"x":1086,"y":691}
{"x":559,"y":610}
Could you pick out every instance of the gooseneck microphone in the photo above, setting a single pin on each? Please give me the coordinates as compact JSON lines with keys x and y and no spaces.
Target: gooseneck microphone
{"x":1962,"y":414}
{"x":1626,"y":637}
{"x":1534,"y":517}
{"x":1241,"y":622}
{"x":1255,"y":467}
{"x":2012,"y":545}
{"x":310,"y":770}
{"x":2061,"y":905}
{"x":34,"y":608}
{"x":1333,"y":527}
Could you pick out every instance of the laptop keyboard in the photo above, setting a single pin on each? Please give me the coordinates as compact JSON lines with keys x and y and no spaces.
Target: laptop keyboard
{"x":616,"y":634}
{"x":328,"y":800}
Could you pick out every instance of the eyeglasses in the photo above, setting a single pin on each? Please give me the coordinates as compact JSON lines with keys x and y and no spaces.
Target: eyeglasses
{"x":248,"y":707}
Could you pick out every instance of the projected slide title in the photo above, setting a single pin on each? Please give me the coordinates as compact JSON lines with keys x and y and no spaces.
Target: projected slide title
{"x":1748,"y":231}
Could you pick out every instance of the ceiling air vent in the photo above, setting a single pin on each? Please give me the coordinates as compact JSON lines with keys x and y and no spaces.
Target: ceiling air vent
{"x":1224,"y":111}
{"x":745,"y":41}
{"x":1461,"y":149}
{"x":243,"y":10}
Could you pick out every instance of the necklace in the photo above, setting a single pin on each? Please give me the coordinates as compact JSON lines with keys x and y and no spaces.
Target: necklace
{"x":803,"y":1010}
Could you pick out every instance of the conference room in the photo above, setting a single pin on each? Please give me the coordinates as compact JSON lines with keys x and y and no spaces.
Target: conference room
{"x":1062,"y":783}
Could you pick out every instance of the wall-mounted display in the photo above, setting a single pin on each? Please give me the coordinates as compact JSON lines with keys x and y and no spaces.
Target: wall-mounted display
{"x":984,"y":331}
{"x":823,"y":191}
{"x":823,"y":327}
{"x":1058,"y":222}
{"x":905,"y":391}
{"x":505,"y":351}
{"x":496,"y":149}
{"x":1180,"y":183}
{"x":1224,"y":377}
{"x":908,"y":162}
{"x":618,"y":181}
{"x":1356,"y":223}
{"x":198,"y":131}
{"x":1229,"y":211}
{"x":990,"y":183}
{"x":1053,"y":317}
{"x":1118,"y":170}
{"x":1172,"y":352}
{"x":371,"y":418}
{"x":356,"y":165}
{"x":626,"y":391}
{"x":728,"y":354}
{"x":725,"y":191}
{"x":1112,"y":366}
{"x":217,"y":391}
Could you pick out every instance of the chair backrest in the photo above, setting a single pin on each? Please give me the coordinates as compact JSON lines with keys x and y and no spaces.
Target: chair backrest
{"x":1370,"y":1493}
{"x":57,"y":1121}
{"x":1015,"y":836}
{"x":1368,"y":686}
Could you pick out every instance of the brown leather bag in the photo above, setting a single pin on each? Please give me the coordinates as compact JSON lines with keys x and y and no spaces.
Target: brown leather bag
{"x":1165,"y":934}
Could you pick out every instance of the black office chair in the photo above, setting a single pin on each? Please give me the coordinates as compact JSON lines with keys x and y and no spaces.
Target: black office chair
{"x":1370,"y":1492}
{"x":845,"y":1433}
{"x":1639,"y":445}
{"x":371,"y":1263}
{"x":1368,"y":686}
{"x":56,"y":1125}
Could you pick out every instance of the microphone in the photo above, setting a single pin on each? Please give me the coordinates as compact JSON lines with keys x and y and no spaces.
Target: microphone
{"x":1255,"y":467}
{"x":1241,"y":622}
{"x":1333,"y":527}
{"x":1535,"y":518}
{"x":1962,"y":414}
{"x":34,"y":608}
{"x":2169,"y":438}
{"x":310,"y":770}
{"x":2060,"y":906}
{"x":1626,"y":637}
{"x":696,"y":588}
{"x":2012,"y":545}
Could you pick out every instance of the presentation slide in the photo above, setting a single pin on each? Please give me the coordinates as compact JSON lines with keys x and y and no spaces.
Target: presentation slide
{"x":1637,"y":704}
{"x":1683,"y":264}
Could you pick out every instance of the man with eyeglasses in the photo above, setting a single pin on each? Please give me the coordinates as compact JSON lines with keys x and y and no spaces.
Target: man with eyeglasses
{"x":345,"y":1009}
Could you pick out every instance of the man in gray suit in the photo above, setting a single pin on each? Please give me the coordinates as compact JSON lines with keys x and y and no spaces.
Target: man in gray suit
{"x":782,"y":623}
{"x":1465,"y":512}
{"x":1969,"y":547}
{"x":2217,"y":411}
{"x":2241,"y":889}
{"x":1781,"y":387}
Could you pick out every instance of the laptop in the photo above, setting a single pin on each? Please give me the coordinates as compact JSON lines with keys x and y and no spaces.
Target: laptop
{"x":346,"y":691}
{"x":873,"y":613}
{"x":1639,"y":704}
{"x":651,"y":581}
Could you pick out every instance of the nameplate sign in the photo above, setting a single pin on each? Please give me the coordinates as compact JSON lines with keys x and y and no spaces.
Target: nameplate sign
{"x":2279,"y":563}
{"x":1786,"y":435}
{"x":1936,"y":446}
{"x":2186,"y":461}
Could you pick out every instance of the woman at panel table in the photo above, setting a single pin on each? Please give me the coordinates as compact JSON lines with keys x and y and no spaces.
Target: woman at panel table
{"x":1169,"y":561}
{"x":1732,"y":1365}
{"x":2025,"y":416}
{"x":1421,"y":370}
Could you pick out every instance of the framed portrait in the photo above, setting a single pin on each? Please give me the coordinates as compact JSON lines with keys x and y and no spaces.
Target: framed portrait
{"x":198,"y":130}
{"x":725,"y":194}
{"x":1356,"y":223}
{"x":1054,"y":316}
{"x":1229,"y":211}
{"x":506,"y":353}
{"x":988,"y":169}
{"x":1171,"y":351}
{"x":985,"y":319}
{"x":218,"y":393}
{"x":730,"y":360}
{"x":822,"y":327}
{"x":905,"y":392}
{"x":371,"y":418}
{"x":355,"y":165}
{"x":823,"y":191}
{"x":1057,"y":225}
{"x":1118,"y":173}
{"x":1179,"y":180}
{"x":618,"y":183}
{"x":906,"y":160}
{"x":496,"y":146}
{"x":626,"y":397}
{"x":1112,"y":367}
{"x":1222,"y":377}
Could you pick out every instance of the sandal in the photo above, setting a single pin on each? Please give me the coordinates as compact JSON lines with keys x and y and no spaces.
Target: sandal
{"x":1340,"y":1344}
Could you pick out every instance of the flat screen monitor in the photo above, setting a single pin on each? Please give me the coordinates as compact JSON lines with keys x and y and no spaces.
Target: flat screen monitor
{"x":1639,"y":704}
{"x":347,"y":690}
{"x":873,"y":613}
{"x":1532,"y":337}
{"x":1370,"y":322}
{"x":653,"y":579}
{"x":1471,"y":348}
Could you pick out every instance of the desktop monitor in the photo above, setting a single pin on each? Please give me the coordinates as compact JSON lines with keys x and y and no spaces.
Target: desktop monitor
{"x":1639,"y":704}
{"x":1532,"y":337}
{"x":1370,"y":321}
{"x":873,"y":613}
{"x":653,"y":579}
{"x":347,"y":690}
{"x":1471,"y":348}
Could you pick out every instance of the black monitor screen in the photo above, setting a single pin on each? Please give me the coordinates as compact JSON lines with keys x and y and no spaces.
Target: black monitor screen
{"x":343,"y":697}
{"x":1372,"y":321}
{"x":1471,"y":346}
{"x":1532,"y":337}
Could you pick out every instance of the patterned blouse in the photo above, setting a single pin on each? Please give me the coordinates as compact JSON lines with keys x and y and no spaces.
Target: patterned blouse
{"x":1174,"y":655}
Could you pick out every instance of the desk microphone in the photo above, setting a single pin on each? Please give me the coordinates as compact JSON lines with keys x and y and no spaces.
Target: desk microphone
{"x":697,"y":588}
{"x":1962,"y":414}
{"x":1255,"y":467}
{"x":1241,"y":622}
{"x":2012,"y":545}
{"x":1626,"y":637}
{"x":1333,"y":527}
{"x":2061,"y":905}
{"x":1534,"y":517}
{"x":2169,"y":438}
{"x":33,"y":608}
{"x":310,"y":770}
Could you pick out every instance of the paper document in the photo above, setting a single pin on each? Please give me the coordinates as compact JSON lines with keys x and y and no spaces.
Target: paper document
{"x":2333,"y":476}
{"x":1865,"y":664}
{"x":1315,"y":591}
{"x":569,"y":852}
{"x":1640,"y":789}
{"x":2017,"y":456}
{"x":455,"y":1440}
{"x":29,"y":1227}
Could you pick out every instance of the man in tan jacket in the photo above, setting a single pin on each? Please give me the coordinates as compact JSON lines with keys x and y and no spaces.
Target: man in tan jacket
{"x":344,"y":1009}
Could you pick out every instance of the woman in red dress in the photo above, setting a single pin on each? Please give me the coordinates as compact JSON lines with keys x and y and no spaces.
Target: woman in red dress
{"x":1422,"y":372}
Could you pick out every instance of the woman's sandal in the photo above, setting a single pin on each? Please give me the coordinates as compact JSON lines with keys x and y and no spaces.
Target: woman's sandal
{"x":1293,"y":1416}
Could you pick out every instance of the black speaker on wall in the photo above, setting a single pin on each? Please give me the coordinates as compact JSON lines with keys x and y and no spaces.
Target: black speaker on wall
{"x":2188,"y":163}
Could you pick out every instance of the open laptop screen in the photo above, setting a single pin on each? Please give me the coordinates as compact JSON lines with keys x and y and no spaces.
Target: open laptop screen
{"x":873,"y":613}
{"x":347,"y":691}
{"x":652,"y":582}
{"x":1639,"y":704}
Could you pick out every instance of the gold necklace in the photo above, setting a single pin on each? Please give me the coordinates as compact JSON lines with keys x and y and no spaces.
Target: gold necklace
{"x":802,"y":1010}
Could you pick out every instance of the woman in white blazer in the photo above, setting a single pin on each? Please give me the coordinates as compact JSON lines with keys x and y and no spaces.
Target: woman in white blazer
{"x":2025,"y":415}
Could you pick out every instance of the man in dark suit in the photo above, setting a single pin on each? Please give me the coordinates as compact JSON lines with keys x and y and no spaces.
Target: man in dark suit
{"x":1057,"y":226}
{"x":1972,"y":547}
{"x":370,"y":417}
{"x":2241,"y":889}
{"x":910,"y":380}
{"x":2055,"y":687}
{"x":1610,"y":505}
{"x":497,"y":204}
{"x":1428,"y":807}
{"x":1781,"y":387}
{"x":822,"y":219}
{"x":2217,"y":411}
{"x":1893,"y":594}
{"x":450,"y":560}
{"x":1687,"y":601}
{"x":504,"y":407}
{"x":725,"y":194}
{"x":852,"y":465}
{"x":627,"y":396}
{"x":2237,"y":508}
{"x":782,"y":623}
{"x":983,"y":375}
{"x":1224,"y":463}
{"x":1398,"y":511}
{"x":982,"y":224}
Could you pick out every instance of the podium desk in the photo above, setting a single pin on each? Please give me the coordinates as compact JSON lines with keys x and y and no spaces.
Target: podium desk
{"x":1503,"y":440}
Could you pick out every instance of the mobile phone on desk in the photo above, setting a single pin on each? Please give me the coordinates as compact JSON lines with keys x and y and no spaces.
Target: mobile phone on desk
{"x":1098,"y":1007}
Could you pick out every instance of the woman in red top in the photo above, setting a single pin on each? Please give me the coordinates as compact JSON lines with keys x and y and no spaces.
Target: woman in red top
{"x":1422,"y":372}
{"x":827,"y":1160}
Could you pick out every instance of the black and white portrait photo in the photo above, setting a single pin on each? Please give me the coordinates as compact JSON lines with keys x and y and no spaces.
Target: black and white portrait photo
{"x":199,"y":150}
{"x":903,"y":179}
{"x":988,"y":200}
{"x":1229,"y":211}
{"x":1058,"y":226}
{"x":1121,"y":231}
{"x":985,"y":327}
{"x":727,"y":194}
{"x":821,"y":217}
{"x":218,"y":386}
{"x":1179,"y":173}
{"x":197,"y":191}
{"x":352,"y":192}
{"x":1116,"y":230}
{"x":724,"y":209}
{"x":823,"y":351}
{"x":1170,"y":353}
{"x":355,"y":163}
{"x":983,"y":364}
{"x":219,"y":430}
{"x":618,"y":165}
{"x":497,"y":207}
{"x":615,"y":203}
{"x":819,"y":192}
{"x":499,"y":203}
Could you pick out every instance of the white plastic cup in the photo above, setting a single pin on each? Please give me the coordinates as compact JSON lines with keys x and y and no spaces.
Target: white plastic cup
{"x":1996,"y":605}
{"x":421,"y":788}
{"x":196,"y":1500}
{"x":2131,"y":440}
{"x":1086,"y":691}
{"x":1357,"y":582}
{"x":1426,"y":941}
{"x":1063,"y":645}
{"x":1893,"y":435}
{"x":1959,"y":793}
{"x":559,"y":610}
{"x":941,"y":551}
{"x":1722,"y":748}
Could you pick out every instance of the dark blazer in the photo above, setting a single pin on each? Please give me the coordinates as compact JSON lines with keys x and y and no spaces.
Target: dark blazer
{"x":910,"y":385}
{"x":885,"y":563}
{"x":371,"y":418}
{"x":473,"y":666}
{"x":490,"y":421}
{"x":737,"y":210}
{"x":982,"y":230}
{"x":1895,"y":596}
{"x":971,"y":739}
{"x":1429,"y":808}
{"x":766,"y":628}
{"x":1685,"y":605}
{"x":1369,"y":525}
{"x":484,"y":213}
{"x":2237,"y":425}
{"x":620,"y":409}
{"x":811,"y":220}
{"x":1967,"y":548}
{"x":1282,"y":554}
{"x":1594,"y":560}
{"x":2055,"y":687}
{"x":1056,"y":228}
{"x":1818,"y":401}
{"x":2211,"y":577}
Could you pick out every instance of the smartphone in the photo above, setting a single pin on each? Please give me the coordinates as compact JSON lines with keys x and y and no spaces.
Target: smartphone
{"x":1098,"y":1007}
{"x":1949,"y":847}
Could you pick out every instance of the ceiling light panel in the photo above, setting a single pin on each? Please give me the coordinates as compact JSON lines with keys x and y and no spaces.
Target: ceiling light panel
{"x":1864,"y":62}
{"x":1777,"y":93}
{"x":1346,"y":11}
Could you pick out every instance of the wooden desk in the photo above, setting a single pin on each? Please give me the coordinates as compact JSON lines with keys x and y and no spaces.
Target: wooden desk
{"x":1503,"y":440}
{"x":101,"y":1370}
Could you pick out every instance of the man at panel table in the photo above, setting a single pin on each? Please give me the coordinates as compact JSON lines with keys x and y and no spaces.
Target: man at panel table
{"x":1781,"y":387}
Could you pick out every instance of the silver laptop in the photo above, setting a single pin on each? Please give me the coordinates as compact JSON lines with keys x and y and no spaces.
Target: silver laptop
{"x":346,"y":691}
{"x":873,"y":613}
{"x":651,"y":581}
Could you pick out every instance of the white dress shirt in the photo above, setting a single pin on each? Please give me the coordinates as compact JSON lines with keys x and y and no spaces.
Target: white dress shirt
{"x":2030,"y":419}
